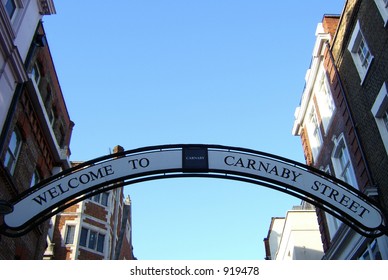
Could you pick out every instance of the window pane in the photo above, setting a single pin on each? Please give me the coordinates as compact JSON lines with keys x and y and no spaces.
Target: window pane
{"x":84,"y":237}
{"x":375,"y":251}
{"x":13,"y":143}
{"x":9,"y":160}
{"x":35,"y":73}
{"x":96,"y":198}
{"x":10,"y":7}
{"x":104,"y":199}
{"x":12,"y":151}
{"x":100,"y":243}
{"x":366,"y":255}
{"x":344,"y":163}
{"x":314,"y":131}
{"x":92,"y":240}
{"x":35,"y":178}
{"x":70,"y":230}
{"x":385,"y":117}
{"x":364,"y":54}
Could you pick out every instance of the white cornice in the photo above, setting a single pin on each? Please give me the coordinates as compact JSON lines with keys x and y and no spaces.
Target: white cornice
{"x":310,"y":77}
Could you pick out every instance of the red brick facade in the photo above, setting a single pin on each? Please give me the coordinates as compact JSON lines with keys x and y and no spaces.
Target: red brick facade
{"x":352,"y":119}
{"x":110,"y":218}
{"x":38,"y":150}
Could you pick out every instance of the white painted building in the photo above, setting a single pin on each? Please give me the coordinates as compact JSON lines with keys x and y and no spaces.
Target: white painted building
{"x":295,"y":237}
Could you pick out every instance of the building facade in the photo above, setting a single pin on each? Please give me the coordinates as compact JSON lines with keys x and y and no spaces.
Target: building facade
{"x":19,"y":20}
{"x":35,"y":124}
{"x":35,"y":137}
{"x":342,"y":117}
{"x":96,"y":228}
{"x":294,"y":237}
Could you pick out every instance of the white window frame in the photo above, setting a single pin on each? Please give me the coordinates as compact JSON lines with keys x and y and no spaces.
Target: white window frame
{"x":340,"y":146}
{"x":333,"y":223}
{"x":99,"y":198}
{"x":339,"y":169}
{"x":95,"y":247}
{"x":382,"y":6}
{"x":35,"y":73}
{"x":379,"y":109}
{"x":17,"y":16}
{"x":12,"y":15}
{"x":13,"y":153}
{"x":314,"y":131}
{"x":51,"y":116}
{"x":362,"y":64}
{"x":35,"y":178}
{"x":372,"y":251}
{"x":324,"y":100}
{"x":70,"y":229}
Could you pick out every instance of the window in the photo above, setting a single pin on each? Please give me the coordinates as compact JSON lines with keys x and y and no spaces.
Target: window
{"x":341,"y":162}
{"x":10,"y":7}
{"x":333,"y":223}
{"x":382,"y":5}
{"x":51,"y":116}
{"x":92,"y":240}
{"x":314,"y":132}
{"x":362,"y":57}
{"x":35,"y":73}
{"x":100,"y":243}
{"x":70,"y":231}
{"x":35,"y":178}
{"x":364,"y":53}
{"x":372,"y":252}
{"x":101,"y":198}
{"x":13,"y":151}
{"x":104,"y":199}
{"x":380,"y":112}
{"x":324,"y":100}
{"x":84,"y":237}
{"x":344,"y":162}
{"x":385,"y":119}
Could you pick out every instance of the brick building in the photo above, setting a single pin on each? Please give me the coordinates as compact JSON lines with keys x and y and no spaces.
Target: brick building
{"x":18,"y":22}
{"x":96,"y":228}
{"x":36,"y":129}
{"x":342,"y":117}
{"x":34,"y":145}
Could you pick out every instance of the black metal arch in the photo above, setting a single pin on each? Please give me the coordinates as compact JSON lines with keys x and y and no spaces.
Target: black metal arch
{"x":188,"y":160}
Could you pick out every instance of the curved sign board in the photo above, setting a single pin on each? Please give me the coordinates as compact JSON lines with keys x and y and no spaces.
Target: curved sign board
{"x":168,"y":161}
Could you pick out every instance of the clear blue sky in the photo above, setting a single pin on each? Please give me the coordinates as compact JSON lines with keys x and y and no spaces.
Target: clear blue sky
{"x":150,"y":72}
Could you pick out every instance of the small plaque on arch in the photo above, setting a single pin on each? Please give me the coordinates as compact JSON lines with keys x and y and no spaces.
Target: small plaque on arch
{"x":195,"y":158}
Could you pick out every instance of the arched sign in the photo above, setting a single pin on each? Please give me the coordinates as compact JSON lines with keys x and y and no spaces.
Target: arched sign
{"x":168,"y":161}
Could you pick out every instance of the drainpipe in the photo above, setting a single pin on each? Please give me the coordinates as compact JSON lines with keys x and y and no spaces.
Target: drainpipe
{"x":367,"y":169}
